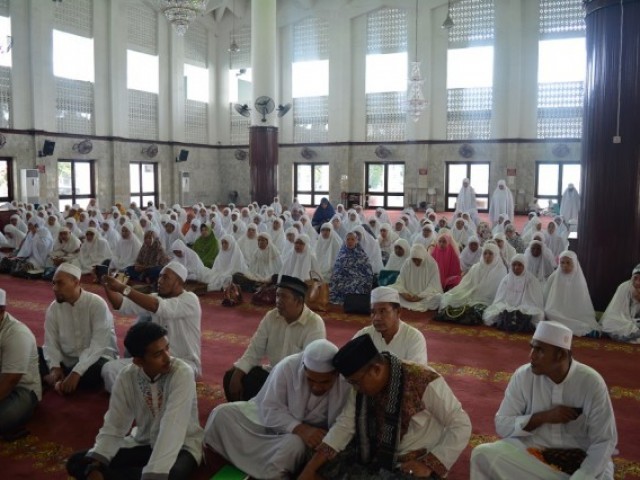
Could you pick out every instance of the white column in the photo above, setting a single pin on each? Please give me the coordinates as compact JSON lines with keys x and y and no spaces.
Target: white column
{"x":340,"y":77}
{"x":102,"y":112}
{"x":41,"y":60}
{"x":263,"y":56}
{"x":22,"y":108}
{"x":118,"y":94}
{"x":176,"y":90}
{"x":358,"y":79}
{"x":215,"y":102}
{"x":285,"y":133}
{"x":437,"y":94}
{"x":527,"y":109}
{"x":165,"y":31}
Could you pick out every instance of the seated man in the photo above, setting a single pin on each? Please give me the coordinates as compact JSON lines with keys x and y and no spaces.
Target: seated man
{"x":418,"y":431}
{"x":172,"y":307}
{"x":274,"y":434}
{"x":20,"y":389}
{"x":158,"y":393}
{"x":389,"y":333}
{"x":285,"y":330}
{"x":79,"y":336}
{"x":556,"y":418}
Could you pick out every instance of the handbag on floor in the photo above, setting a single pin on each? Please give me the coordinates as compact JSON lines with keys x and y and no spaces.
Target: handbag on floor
{"x":265,"y":295}
{"x":232,"y":295}
{"x":357,"y":303}
{"x":317,"y":297}
{"x":465,"y":315}
{"x":515,"y":321}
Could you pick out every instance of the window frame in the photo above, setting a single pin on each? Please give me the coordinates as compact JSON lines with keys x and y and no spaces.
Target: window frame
{"x":142,"y":193}
{"x":448,"y":194}
{"x":92,"y":182}
{"x":10,"y":189}
{"x":385,"y":192}
{"x":556,"y":198}
{"x":313,"y":192}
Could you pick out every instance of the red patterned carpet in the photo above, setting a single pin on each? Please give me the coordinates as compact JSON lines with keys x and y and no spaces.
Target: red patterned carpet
{"x":477,"y":363}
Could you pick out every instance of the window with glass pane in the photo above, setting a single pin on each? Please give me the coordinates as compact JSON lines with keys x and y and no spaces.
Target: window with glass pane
{"x":6,"y":180}
{"x":5,"y":41}
{"x":552,"y":179}
{"x":384,"y":185}
{"x":142,"y":72}
{"x":73,"y":56}
{"x":311,"y":182}
{"x":478,"y":175}
{"x":76,"y":182}
{"x":144,"y":182}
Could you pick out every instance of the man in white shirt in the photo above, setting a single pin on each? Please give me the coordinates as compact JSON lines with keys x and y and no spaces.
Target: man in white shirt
{"x":172,"y":307}
{"x":555,"y":409}
{"x":274,"y":434}
{"x":285,"y":330}
{"x":389,"y":333}
{"x":79,"y":336}
{"x":404,"y":417}
{"x":158,"y":393}
{"x":20,"y":389}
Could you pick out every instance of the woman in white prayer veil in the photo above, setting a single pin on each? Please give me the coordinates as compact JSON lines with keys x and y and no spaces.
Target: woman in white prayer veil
{"x":480,"y":285}
{"x":621,"y":319}
{"x":501,"y":202}
{"x":419,"y":281}
{"x":371,"y":248}
{"x":382,"y":215}
{"x":70,"y":223}
{"x":127,"y":249}
{"x":460,"y":232}
{"x":248,"y":243}
{"x":401,"y":252}
{"x":386,"y":239}
{"x":53,"y":226}
{"x":352,"y":220}
{"x":507,"y":252}
{"x":374,"y":225}
{"x":471,"y":254}
{"x":290,"y":236}
{"x":193,"y":233}
{"x":295,"y":205}
{"x":301,"y":261}
{"x":553,"y":241}
{"x":110,"y":234}
{"x":338,"y":226}
{"x":228,"y":261}
{"x":13,"y":237}
{"x":567,"y":299}
{"x":570,"y":203}
{"x":327,"y":249}
{"x":266,"y":260}
{"x":277,"y":234}
{"x":308,"y":230}
{"x":191,"y":261}
{"x":518,"y":290}
{"x":426,"y":236}
{"x":238,"y":230}
{"x":94,"y":251}
{"x":540,"y":261}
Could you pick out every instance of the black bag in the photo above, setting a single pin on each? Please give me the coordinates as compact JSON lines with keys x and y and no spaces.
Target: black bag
{"x":357,"y":303}
{"x":515,"y":321}
{"x":465,"y":315}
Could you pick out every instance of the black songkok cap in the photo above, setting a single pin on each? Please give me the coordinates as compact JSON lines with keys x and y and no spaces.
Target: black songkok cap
{"x":292,"y":283}
{"x":354,"y":355}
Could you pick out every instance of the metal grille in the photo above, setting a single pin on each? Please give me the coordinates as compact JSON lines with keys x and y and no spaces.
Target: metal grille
{"x":242,"y":58}
{"x":561,"y":17}
{"x":239,"y":127}
{"x":560,"y":109}
{"x":473,"y":23}
{"x":143,"y":115}
{"x":74,"y":106}
{"x":142,"y":28}
{"x":195,"y":121}
{"x":5,"y":97}
{"x":4,"y":8}
{"x":386,"y":117}
{"x":387,"y":31}
{"x":196,"y":45}
{"x":74,"y":16}
{"x":469,"y":113}
{"x":311,"y":40}
{"x":311,"y":119}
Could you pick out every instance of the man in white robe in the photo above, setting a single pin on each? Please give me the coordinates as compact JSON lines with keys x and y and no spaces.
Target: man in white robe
{"x":501,"y":202}
{"x":570,"y":204}
{"x":553,"y":402}
{"x":79,"y":336}
{"x":172,"y":307}
{"x":274,"y":434}
{"x":285,"y":330}
{"x":389,"y":333}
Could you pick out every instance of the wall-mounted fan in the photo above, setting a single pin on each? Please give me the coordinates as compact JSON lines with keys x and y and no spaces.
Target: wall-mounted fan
{"x":382,"y":151}
{"x":83,"y":147}
{"x":264,"y":106}
{"x":240,"y":154}
{"x":283,"y":109}
{"x":150,"y":150}
{"x":243,"y":110}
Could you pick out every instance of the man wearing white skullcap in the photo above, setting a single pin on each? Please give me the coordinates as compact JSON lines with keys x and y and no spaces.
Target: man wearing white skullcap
{"x":273,"y":434}
{"x":79,"y":336}
{"x":173,"y":307}
{"x":556,"y":418}
{"x":20,"y":389}
{"x":388,"y":332}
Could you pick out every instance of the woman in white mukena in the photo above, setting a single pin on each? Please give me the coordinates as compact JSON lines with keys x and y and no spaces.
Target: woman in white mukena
{"x":621,"y":319}
{"x":228,"y":261}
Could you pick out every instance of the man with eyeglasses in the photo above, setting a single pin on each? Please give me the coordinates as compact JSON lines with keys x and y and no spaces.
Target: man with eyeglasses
{"x":389,"y":333}
{"x":403,"y":418}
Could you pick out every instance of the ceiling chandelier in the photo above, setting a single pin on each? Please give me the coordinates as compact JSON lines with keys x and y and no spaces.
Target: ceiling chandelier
{"x":181,"y":13}
{"x":415,"y":99}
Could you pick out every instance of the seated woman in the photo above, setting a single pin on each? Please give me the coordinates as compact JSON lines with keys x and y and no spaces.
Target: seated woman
{"x":34,"y":250}
{"x":401,"y":230}
{"x":327,"y":248}
{"x":478,"y":287}
{"x":540,"y":261}
{"x":193,"y":232}
{"x":519,"y":302}
{"x":514,"y":239}
{"x":470,"y":255}
{"x":567,"y":299}
{"x":184,"y":255}
{"x":390,"y":272}
{"x":323,"y":214}
{"x":386,"y":239}
{"x":419,"y":282}
{"x":94,"y":251}
{"x":426,"y":236}
{"x":263,"y":265}
{"x":338,"y":227}
{"x":126,"y":251}
{"x":460,"y":233}
{"x":370,"y":246}
{"x":554,"y":242}
{"x":14,"y":238}
{"x":483,"y":232}
{"x":446,"y":255}
{"x":228,"y":261}
{"x":248,"y":243}
{"x":301,"y":261}
{"x":621,"y":319}
{"x":150,"y":260}
{"x":352,"y":272}
{"x":206,"y":245}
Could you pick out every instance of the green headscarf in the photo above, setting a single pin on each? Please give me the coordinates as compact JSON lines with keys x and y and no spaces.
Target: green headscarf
{"x":206,"y":247}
